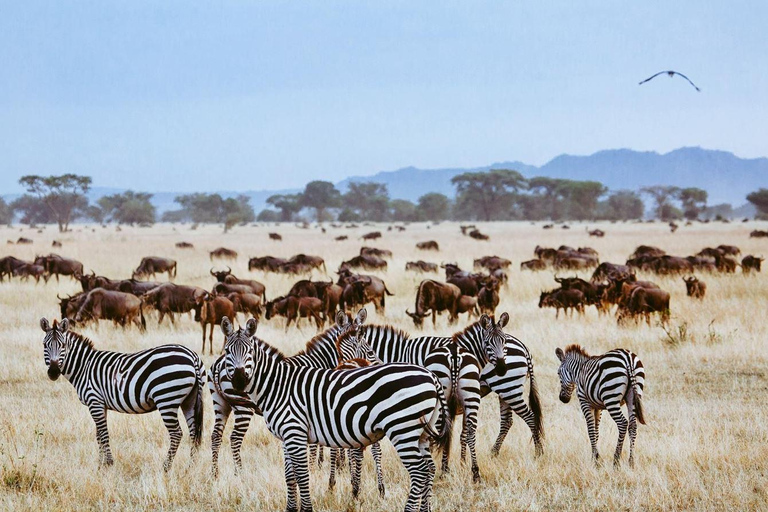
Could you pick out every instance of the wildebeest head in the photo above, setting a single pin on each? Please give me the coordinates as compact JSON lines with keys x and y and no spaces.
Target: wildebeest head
{"x":221,"y":275}
{"x":239,"y":353}
{"x":55,"y":346}
{"x":495,"y":341}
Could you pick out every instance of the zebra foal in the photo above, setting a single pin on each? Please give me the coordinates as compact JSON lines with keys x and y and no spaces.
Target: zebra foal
{"x":162,"y":378}
{"x":604,"y":382}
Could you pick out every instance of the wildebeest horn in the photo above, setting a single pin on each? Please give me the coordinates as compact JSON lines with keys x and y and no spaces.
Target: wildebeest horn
{"x":211,"y":271}
{"x":558,"y":279}
{"x":229,"y":270}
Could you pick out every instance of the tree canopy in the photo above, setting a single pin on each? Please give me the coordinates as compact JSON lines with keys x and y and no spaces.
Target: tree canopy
{"x":487,"y":195}
{"x":320,"y":195}
{"x":759,"y":198}
{"x":127,"y":208}
{"x":63,"y":195}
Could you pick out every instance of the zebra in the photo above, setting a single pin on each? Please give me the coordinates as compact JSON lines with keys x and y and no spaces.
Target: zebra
{"x":320,"y":352}
{"x":494,"y":351}
{"x":604,"y":382}
{"x":339,"y":409}
{"x":162,"y":378}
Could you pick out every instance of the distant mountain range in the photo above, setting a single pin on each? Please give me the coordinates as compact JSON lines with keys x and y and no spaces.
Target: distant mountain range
{"x":726,"y":177}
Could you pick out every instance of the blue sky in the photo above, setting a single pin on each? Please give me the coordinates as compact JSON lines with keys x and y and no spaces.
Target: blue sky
{"x":235,"y":95}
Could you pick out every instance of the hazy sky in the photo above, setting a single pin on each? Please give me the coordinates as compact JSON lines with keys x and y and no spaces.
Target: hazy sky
{"x":235,"y":95}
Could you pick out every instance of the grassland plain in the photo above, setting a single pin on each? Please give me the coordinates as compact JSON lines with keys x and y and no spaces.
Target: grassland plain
{"x":705,"y":446}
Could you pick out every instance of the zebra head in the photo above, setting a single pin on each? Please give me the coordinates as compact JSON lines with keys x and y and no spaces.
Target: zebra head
{"x":239,"y":352}
{"x":566,"y":374}
{"x":54,"y":346}
{"x":495,"y":342}
{"x":351,"y":343}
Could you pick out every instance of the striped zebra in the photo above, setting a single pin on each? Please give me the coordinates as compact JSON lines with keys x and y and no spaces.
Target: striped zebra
{"x":505,"y":360}
{"x":339,"y":409}
{"x":320,"y":352}
{"x":458,"y":371}
{"x":604,"y":382}
{"x":161,"y":378}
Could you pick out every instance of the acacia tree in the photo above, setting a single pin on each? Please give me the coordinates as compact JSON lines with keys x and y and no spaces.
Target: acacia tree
{"x":487,"y":195}
{"x":663,"y":196}
{"x":694,"y":202}
{"x":402,"y":210}
{"x":288,"y":204}
{"x":370,"y":200}
{"x":320,"y":195}
{"x":624,"y":205}
{"x":128,"y":208}
{"x":581,"y":197}
{"x":434,"y":206}
{"x":759,"y":198}
{"x":63,"y":195}
{"x":212,"y":208}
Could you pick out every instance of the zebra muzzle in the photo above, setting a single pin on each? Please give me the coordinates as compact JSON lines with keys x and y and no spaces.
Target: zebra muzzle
{"x":54,"y":371}
{"x":238,"y":379}
{"x":501,"y":367}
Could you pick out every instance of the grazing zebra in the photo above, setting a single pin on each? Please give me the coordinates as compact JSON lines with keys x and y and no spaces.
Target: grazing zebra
{"x":162,"y":378}
{"x":457,"y":370}
{"x":320,"y":352}
{"x":604,"y":382}
{"x":339,"y":409}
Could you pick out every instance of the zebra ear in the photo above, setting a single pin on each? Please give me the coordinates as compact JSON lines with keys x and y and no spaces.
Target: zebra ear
{"x":342,"y":319}
{"x":559,"y":353}
{"x":503,"y":320}
{"x":250,"y":327}
{"x":361,"y":316}
{"x":485,"y":322}
{"x":64,"y":325}
{"x":44,"y":325}
{"x":226,"y":326}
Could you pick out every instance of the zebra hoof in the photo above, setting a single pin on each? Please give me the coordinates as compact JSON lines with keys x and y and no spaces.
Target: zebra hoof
{"x":475,"y":477}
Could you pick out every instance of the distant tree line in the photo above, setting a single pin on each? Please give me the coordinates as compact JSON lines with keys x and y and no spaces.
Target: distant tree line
{"x":498,"y":194}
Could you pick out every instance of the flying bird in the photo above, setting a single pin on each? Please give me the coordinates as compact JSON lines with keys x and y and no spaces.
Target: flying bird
{"x":671,"y":74}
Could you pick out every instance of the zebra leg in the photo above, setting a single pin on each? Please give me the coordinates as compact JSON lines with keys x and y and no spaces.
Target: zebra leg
{"x":632,"y":437}
{"x":221,"y":412}
{"x":243,"y":417}
{"x":376,"y":452}
{"x":614,"y":410}
{"x":290,"y":482}
{"x":170,"y":415}
{"x":99,"y":415}
{"x":313,"y":453}
{"x":468,"y":432}
{"x":505,"y":412}
{"x":334,"y":465}
{"x":296,"y":450}
{"x":589,"y":415}
{"x":426,"y":492}
{"x":518,"y":405}
{"x":356,"y":461}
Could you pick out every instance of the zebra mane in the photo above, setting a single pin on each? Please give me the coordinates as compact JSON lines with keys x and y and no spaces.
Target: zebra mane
{"x":577,"y":349}
{"x":470,"y":329}
{"x":389,"y":329}
{"x":316,"y":341}
{"x":79,"y":339}
{"x":272,"y":352}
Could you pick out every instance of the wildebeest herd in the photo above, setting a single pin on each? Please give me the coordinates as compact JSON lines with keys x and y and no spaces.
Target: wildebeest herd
{"x":437,"y":378}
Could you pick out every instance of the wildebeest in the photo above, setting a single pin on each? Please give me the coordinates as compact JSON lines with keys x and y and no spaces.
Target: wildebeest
{"x":597,"y":232}
{"x":366,"y":288}
{"x":59,"y":266}
{"x":184,"y":245}
{"x":726,"y":264}
{"x":729,"y":250}
{"x":592,"y":293}
{"x":341,"y":237}
{"x":9,"y":264}
{"x":477,"y":235}
{"x":671,"y":265}
{"x":275,"y":236}
{"x":136,"y":287}
{"x":70,"y":305}
{"x":223,"y":253}
{"x":751,"y":263}
{"x":373,"y":251}
{"x":294,"y":308}
{"x":644,"y":302}
{"x":248,"y":303}
{"x":421,"y":266}
{"x":435,"y":297}
{"x":226,"y":277}
{"x":266,"y":263}
{"x":119,"y":307}
{"x":605,"y":269}
{"x":367,"y":262}
{"x":646,"y":250}
{"x":170,"y":299}
{"x":27,"y":270}
{"x":308,"y":260}
{"x":533,"y":265}
{"x":468,"y":284}
{"x":694,"y":287}
{"x":56,"y":243}
{"x":573,"y":263}
{"x":488,"y":296}
{"x":373,"y":235}
{"x":757,"y":233}
{"x":429,"y":245}
{"x":22,"y":241}
{"x":466,"y":228}
{"x":213,"y":309}
{"x":492,"y":262}
{"x":567,"y":300}
{"x":328,"y":292}
{"x":152,"y":265}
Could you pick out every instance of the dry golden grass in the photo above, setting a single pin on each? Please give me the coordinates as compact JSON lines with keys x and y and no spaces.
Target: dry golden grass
{"x":705,"y":445}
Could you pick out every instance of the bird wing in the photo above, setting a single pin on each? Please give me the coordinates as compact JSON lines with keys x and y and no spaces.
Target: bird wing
{"x":652,"y":77}
{"x":689,"y":80}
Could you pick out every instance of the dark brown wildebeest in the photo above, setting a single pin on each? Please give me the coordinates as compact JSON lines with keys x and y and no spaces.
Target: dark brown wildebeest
{"x":589,"y":251}
{"x":573,"y":263}
{"x":672,"y":265}
{"x":212,"y":310}
{"x":328,"y":292}
{"x":533,"y":265}
{"x":71,"y":304}
{"x":421,"y":266}
{"x":308,"y":260}
{"x":599,"y":233}
{"x":757,"y":233}
{"x":373,"y":251}
{"x":247,"y":303}
{"x":223,"y":253}
{"x":92,"y":281}
{"x":295,"y":308}
{"x":567,"y":300}
{"x":545,"y":253}
{"x":275,"y":236}
{"x":488,"y":296}
{"x":369,"y":288}
{"x":119,"y":307}
{"x":453,"y":270}
{"x":695,"y":288}
{"x":646,"y":250}
{"x":468,"y":284}
{"x":23,"y":241}
{"x":592,"y":294}
{"x":56,"y":243}
{"x":702,"y":264}
{"x":492,"y":263}
{"x":605,"y":269}
{"x":373,"y":235}
{"x":28,"y":270}
{"x":341,"y":237}
{"x":435,"y":297}
{"x":547,"y":226}
{"x":365,"y":262}
{"x":726,"y":264}
{"x":184,"y":245}
{"x":9,"y":264}
{"x":465,"y":229}
{"x":136,"y":287}
{"x":152,"y":265}
{"x":477,"y":235}
{"x":467,"y":305}
{"x":226,"y":276}
{"x":644,"y":302}
{"x":170,"y":299}
{"x":59,"y":266}
{"x":751,"y":263}
{"x":267,"y":263}
{"x":429,"y":245}
{"x":729,"y":250}
{"x":710,"y":252}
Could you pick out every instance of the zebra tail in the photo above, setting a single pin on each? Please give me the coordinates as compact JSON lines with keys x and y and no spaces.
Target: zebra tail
{"x":637,"y":401}
{"x":453,"y":400}
{"x":201,"y":379}
{"x":442,"y":440}
{"x":534,"y":402}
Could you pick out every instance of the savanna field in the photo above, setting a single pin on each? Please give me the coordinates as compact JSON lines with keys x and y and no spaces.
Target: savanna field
{"x":705,"y":445}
